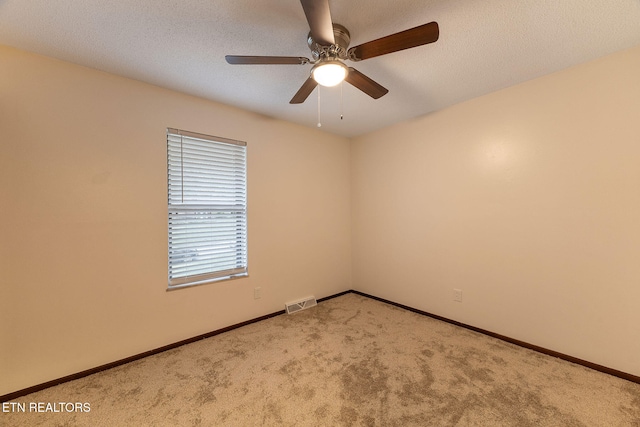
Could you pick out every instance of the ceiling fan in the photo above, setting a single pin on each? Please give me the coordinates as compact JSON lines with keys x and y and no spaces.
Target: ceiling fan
{"x":329,"y":44}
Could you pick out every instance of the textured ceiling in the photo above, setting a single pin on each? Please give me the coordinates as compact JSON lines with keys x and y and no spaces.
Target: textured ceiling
{"x":180,"y":44}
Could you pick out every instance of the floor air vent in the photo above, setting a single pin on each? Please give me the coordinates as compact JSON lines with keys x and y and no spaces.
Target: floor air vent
{"x":292,"y":307}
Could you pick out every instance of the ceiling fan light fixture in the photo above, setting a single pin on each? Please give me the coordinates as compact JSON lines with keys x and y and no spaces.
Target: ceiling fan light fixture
{"x":329,"y":45}
{"x":329,"y":73}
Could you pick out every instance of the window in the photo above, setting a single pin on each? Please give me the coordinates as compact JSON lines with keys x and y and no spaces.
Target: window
{"x":207,"y":208}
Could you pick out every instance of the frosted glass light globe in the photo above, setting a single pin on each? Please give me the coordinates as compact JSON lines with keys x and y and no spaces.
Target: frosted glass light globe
{"x":330,"y":73}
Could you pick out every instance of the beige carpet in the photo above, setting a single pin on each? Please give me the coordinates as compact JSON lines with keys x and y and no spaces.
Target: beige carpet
{"x":350,"y":361}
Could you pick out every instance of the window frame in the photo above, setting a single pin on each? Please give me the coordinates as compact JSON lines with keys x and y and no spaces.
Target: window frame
{"x":220,"y":212}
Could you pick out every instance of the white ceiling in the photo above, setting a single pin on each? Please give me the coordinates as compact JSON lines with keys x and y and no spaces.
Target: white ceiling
{"x":180,"y":44}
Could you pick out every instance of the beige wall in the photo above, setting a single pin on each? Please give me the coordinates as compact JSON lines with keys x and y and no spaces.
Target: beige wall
{"x":83,"y":223}
{"x":527,"y":199}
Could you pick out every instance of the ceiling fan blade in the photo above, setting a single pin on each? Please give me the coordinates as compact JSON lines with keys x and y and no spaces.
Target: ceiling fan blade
{"x":304,"y":92}
{"x":236,"y":59}
{"x":319,"y":18}
{"x":418,"y":36}
{"x":365,"y":84}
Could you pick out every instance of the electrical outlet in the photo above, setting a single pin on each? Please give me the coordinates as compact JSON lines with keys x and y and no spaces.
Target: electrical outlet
{"x":257,"y":293}
{"x":457,"y":295}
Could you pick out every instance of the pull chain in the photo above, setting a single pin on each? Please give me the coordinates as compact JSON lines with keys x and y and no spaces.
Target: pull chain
{"x":319,"y":124}
{"x":341,"y":101}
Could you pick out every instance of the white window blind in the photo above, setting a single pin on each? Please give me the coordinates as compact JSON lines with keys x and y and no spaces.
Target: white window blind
{"x":207,"y":208}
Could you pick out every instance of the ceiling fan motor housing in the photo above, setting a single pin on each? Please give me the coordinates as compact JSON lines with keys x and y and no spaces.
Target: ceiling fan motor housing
{"x":334,"y":51}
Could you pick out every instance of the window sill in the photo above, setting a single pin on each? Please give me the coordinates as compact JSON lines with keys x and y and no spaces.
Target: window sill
{"x":206,"y":282}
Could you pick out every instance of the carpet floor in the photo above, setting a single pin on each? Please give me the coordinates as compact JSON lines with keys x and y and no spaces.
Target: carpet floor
{"x":350,"y":361}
